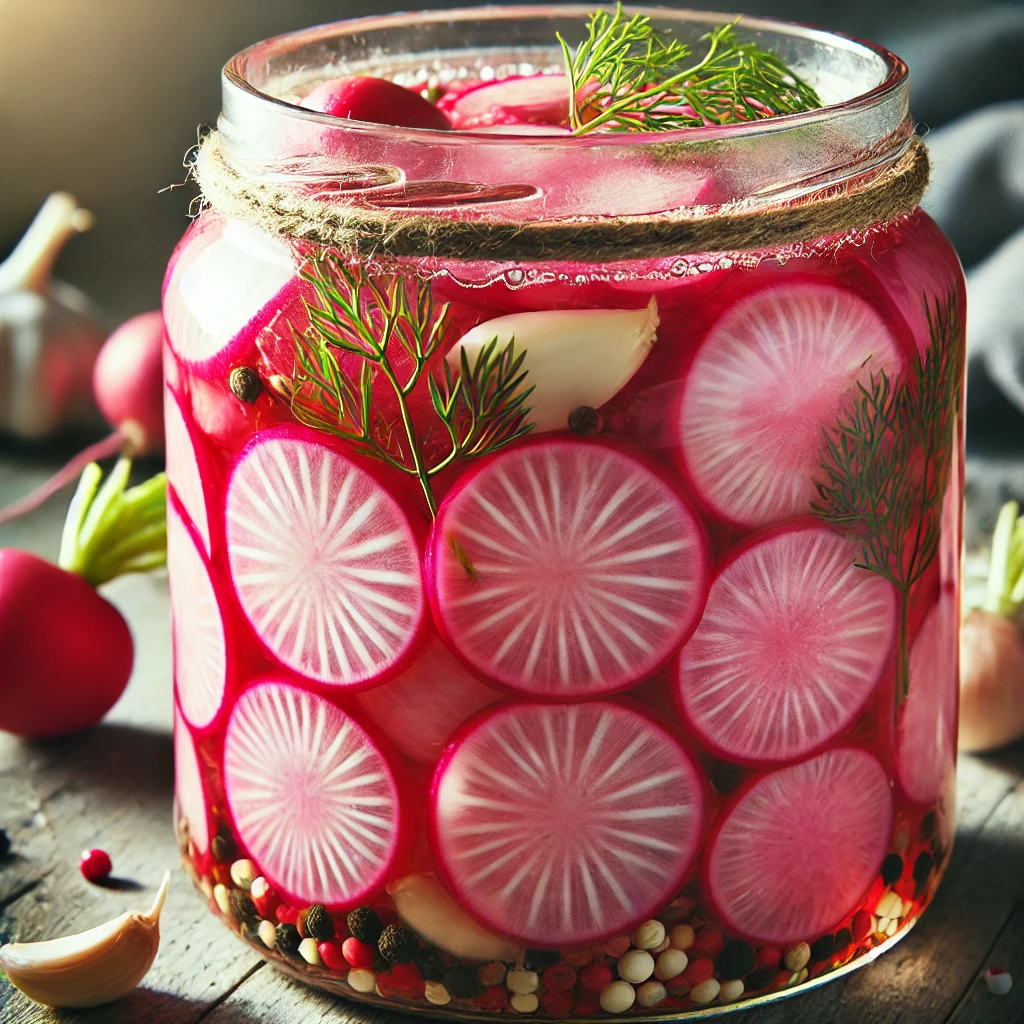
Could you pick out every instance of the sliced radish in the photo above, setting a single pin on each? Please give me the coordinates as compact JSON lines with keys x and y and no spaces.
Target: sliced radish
{"x":564,"y":824}
{"x":313,"y":797}
{"x":772,"y":374}
{"x":793,"y":640}
{"x":567,"y":569}
{"x":324,"y":561}
{"x":529,"y":99}
{"x":926,"y":740}
{"x":183,"y":467}
{"x":200,"y":658}
{"x":421,"y":709}
{"x":800,"y":847}
{"x":188,"y":786}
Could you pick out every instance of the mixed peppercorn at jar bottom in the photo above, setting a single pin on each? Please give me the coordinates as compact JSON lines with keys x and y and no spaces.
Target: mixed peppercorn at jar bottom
{"x":646,"y":709}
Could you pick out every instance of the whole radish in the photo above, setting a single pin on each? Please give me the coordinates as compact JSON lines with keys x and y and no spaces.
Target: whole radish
{"x":363,"y":98}
{"x":65,"y":651}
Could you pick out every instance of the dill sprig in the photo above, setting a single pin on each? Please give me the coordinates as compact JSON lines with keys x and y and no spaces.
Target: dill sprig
{"x":887,"y":463}
{"x":389,"y":323}
{"x":629,"y":76}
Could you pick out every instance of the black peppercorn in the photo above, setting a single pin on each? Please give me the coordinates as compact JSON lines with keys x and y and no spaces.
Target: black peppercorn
{"x":245,"y":384}
{"x":892,"y":868}
{"x":759,"y":979}
{"x":923,"y":867}
{"x":397,"y":945}
{"x":223,"y":846}
{"x":462,"y":983}
{"x":927,"y":827}
{"x":365,"y":925}
{"x":431,"y":965}
{"x":726,"y":777}
{"x":5,"y":844}
{"x":585,"y":422}
{"x":736,"y":960}
{"x":288,"y":939}
{"x":540,"y":959}
{"x":823,"y":948}
{"x":317,"y":923}
{"x":242,"y":905}
{"x":843,"y":939}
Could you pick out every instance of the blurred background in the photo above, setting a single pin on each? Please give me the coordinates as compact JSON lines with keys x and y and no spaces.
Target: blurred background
{"x":102,"y":98}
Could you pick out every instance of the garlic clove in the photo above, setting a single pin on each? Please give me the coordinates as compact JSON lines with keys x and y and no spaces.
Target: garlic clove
{"x":425,"y":906}
{"x":574,"y":357}
{"x":92,"y":967}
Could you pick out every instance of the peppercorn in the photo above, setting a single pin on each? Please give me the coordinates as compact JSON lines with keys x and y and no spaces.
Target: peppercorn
{"x":462,"y":983}
{"x":288,"y":939}
{"x":726,"y":777}
{"x":585,"y":422}
{"x":317,"y":923}
{"x":398,"y":945}
{"x":759,"y":978}
{"x":923,"y":867}
{"x":365,"y":925}
{"x":927,"y":829}
{"x":431,"y":965}
{"x":5,"y":844}
{"x":823,"y":948}
{"x":735,"y":961}
{"x":843,"y":939}
{"x":245,"y":384}
{"x":242,"y":905}
{"x":538,"y":959}
{"x":223,"y":846}
{"x":892,"y":868}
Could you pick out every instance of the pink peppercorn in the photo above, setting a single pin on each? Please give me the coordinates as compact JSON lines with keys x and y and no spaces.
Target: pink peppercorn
{"x":95,"y":865}
{"x":861,"y":925}
{"x":494,"y":999}
{"x":358,"y":954}
{"x":699,"y":970}
{"x":332,"y":955}
{"x":286,"y":915}
{"x":558,"y":1004}
{"x":768,"y":956}
{"x":709,"y":942}
{"x":559,"y":978}
{"x":596,"y":978}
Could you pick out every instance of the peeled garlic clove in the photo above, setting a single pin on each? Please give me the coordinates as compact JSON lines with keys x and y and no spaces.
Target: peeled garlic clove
{"x":92,"y":967}
{"x":574,"y":357}
{"x":424,"y":905}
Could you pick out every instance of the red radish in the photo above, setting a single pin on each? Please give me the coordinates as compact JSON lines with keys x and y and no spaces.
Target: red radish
{"x":525,"y":99}
{"x":926,"y":728}
{"x":364,"y":98}
{"x":792,"y":642}
{"x":423,"y":707}
{"x":188,"y":786}
{"x":799,"y":847}
{"x":772,"y":374}
{"x":314,"y":798}
{"x":567,"y":568}
{"x":325,"y":562}
{"x":183,"y":468}
{"x":562,"y":824}
{"x":200,"y":652}
{"x":95,"y":865}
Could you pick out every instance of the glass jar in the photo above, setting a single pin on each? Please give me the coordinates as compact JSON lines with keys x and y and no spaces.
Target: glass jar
{"x":564,"y":533}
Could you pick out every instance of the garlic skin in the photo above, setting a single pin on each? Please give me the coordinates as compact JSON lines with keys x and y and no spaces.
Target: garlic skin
{"x":425,"y":906}
{"x":91,"y":968}
{"x":574,"y":357}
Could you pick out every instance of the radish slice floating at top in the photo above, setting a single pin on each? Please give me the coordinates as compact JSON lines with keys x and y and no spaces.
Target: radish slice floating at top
{"x":200,"y":658}
{"x":800,"y":847}
{"x":188,"y":786}
{"x":567,"y":569}
{"x":565,"y":823}
{"x":314,"y":799}
{"x":324,"y":560}
{"x":526,"y":99}
{"x":773,"y":373}
{"x":183,"y":467}
{"x":926,"y":739}
{"x":793,"y":639}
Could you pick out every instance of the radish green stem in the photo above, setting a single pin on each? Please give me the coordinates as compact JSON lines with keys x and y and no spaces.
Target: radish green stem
{"x":1004,"y":593}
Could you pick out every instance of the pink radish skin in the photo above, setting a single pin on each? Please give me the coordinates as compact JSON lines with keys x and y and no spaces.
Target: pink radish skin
{"x":188,"y":786}
{"x":364,"y":98}
{"x":564,"y":824}
{"x":571,"y":596}
{"x":325,"y":559}
{"x":796,"y":849}
{"x":792,"y":643}
{"x":319,"y":800}
{"x":65,"y":652}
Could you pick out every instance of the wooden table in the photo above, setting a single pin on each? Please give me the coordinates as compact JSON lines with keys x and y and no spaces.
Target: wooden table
{"x":112,"y":788}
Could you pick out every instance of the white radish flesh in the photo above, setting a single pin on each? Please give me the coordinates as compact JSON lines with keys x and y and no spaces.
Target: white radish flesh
{"x":188,"y":786}
{"x":183,"y":472}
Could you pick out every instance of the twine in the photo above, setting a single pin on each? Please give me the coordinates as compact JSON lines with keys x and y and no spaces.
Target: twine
{"x":346,"y":218}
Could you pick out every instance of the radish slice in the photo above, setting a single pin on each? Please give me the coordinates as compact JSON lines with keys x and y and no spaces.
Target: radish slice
{"x":200,"y":658}
{"x":324,"y":561}
{"x":421,"y":709}
{"x":772,"y":374}
{"x":564,"y":824}
{"x":793,"y":640}
{"x":183,"y":467}
{"x":529,"y":99}
{"x":314,"y":799}
{"x":567,"y":569}
{"x":188,"y":786}
{"x":926,"y":741}
{"x":800,"y":847}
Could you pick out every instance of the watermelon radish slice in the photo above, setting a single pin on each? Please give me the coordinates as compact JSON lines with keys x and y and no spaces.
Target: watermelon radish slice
{"x":200,"y":657}
{"x":800,"y":847}
{"x":188,"y":787}
{"x":324,"y":561}
{"x":314,"y":798}
{"x":926,"y":736}
{"x":771,"y":375}
{"x":565,"y":824}
{"x":528,"y":99}
{"x":183,"y":467}
{"x":421,"y":709}
{"x":793,"y":640}
{"x":567,"y":569}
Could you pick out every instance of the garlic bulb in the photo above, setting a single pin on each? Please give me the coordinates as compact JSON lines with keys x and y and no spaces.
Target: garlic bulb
{"x":424,"y":905}
{"x":574,"y":357}
{"x":91,"y":968}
